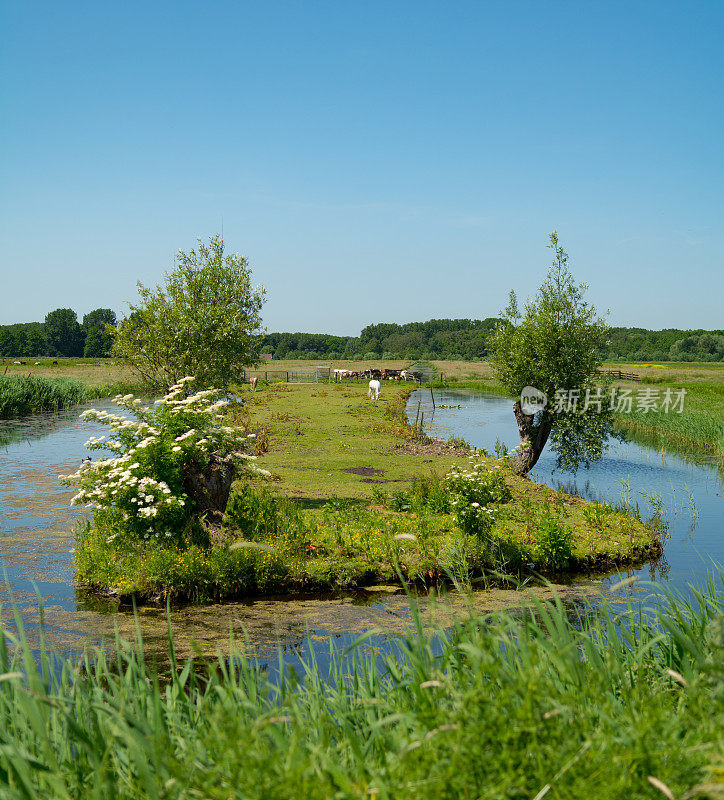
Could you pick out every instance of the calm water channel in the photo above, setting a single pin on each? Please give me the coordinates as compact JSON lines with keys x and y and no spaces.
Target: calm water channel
{"x":692,"y":490}
{"x":36,"y":543}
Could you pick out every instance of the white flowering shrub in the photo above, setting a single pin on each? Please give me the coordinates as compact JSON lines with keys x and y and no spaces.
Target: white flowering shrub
{"x":474,"y":493}
{"x":141,"y":484}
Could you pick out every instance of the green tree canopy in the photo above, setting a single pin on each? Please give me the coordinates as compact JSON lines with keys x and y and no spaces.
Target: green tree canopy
{"x":98,"y":326}
{"x":205,"y":321}
{"x":555,"y":346}
{"x":63,"y":333}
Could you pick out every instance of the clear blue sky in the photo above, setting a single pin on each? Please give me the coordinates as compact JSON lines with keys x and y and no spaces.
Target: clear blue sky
{"x":375,"y":161}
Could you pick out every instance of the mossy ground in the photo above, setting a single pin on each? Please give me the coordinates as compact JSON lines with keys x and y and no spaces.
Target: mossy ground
{"x":325,"y":519}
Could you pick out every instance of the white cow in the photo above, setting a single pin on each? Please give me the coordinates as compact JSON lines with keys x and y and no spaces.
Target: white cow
{"x":374,"y":390}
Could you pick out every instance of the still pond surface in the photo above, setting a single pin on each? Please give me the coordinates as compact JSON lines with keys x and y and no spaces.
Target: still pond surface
{"x":36,"y":543}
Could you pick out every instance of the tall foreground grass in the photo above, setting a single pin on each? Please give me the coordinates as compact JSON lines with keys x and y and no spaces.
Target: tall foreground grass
{"x":29,"y":395}
{"x":625,"y":707}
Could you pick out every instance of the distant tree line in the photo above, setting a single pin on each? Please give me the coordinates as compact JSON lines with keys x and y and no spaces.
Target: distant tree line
{"x":441,"y":339}
{"x":463,"y":339}
{"x":670,"y":344}
{"x":61,"y":335}
{"x":469,"y":339}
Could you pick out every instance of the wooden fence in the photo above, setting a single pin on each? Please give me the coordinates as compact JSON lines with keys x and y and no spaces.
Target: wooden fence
{"x":621,"y":376}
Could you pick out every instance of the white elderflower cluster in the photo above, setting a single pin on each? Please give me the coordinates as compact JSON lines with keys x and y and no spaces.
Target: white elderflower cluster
{"x":141,"y":483}
{"x":475,"y":492}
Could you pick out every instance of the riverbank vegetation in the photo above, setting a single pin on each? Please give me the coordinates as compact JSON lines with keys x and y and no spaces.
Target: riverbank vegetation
{"x":507,"y":706}
{"x":354,"y":495}
{"x":699,"y":429}
{"x":21,"y":395}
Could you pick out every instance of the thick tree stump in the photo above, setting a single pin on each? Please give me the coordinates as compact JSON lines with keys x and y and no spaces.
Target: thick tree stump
{"x":532,"y":439}
{"x":208,"y":485}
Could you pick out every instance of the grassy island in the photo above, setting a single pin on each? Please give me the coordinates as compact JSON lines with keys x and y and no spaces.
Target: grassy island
{"x":353,"y":495}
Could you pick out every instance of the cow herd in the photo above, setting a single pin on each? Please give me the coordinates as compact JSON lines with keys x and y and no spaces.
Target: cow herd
{"x":378,"y":374}
{"x":37,"y":363}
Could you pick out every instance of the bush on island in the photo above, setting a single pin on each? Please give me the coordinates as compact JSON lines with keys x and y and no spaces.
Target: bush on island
{"x":174,"y":461}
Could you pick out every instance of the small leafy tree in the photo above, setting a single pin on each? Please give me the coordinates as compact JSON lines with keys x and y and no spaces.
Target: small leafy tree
{"x":204,"y":322}
{"x":555,"y":346}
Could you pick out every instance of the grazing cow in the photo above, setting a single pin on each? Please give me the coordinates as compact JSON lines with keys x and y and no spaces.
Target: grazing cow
{"x":17,"y":363}
{"x":55,"y":363}
{"x":252,"y":382}
{"x":374,"y":390}
{"x":37,"y":363}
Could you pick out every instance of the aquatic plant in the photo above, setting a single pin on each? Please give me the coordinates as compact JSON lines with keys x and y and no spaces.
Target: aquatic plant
{"x":32,"y":395}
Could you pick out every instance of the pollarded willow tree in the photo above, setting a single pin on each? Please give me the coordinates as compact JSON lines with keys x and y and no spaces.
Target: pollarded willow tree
{"x":205,"y":321}
{"x":555,"y":346}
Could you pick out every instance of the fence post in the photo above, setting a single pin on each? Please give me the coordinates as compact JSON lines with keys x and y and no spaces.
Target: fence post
{"x":287,"y":376}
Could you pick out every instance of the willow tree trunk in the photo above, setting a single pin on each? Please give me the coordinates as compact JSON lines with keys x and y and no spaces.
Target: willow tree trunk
{"x":533,"y":439}
{"x":208,"y":484}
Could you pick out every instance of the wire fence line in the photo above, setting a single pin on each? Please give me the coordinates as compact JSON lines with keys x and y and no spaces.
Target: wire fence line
{"x":318,"y":375}
{"x":423,"y":373}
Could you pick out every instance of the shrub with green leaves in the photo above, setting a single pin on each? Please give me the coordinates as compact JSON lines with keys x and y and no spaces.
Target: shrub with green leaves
{"x":139,"y":491}
{"x":259,"y":515}
{"x":553,"y":540}
{"x":596,"y":514}
{"x":474,"y":492}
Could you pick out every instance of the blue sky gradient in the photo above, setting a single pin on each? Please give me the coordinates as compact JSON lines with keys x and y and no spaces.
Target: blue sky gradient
{"x":374,"y":161}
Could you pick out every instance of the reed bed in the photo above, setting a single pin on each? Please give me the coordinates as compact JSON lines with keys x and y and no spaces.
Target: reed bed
{"x":31,"y":395}
{"x":21,"y":395}
{"x":697,"y":432}
{"x":605,"y":706}
{"x":699,"y":429}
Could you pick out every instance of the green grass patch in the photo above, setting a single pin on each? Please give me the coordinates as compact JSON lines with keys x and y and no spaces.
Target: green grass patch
{"x":508,"y":706}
